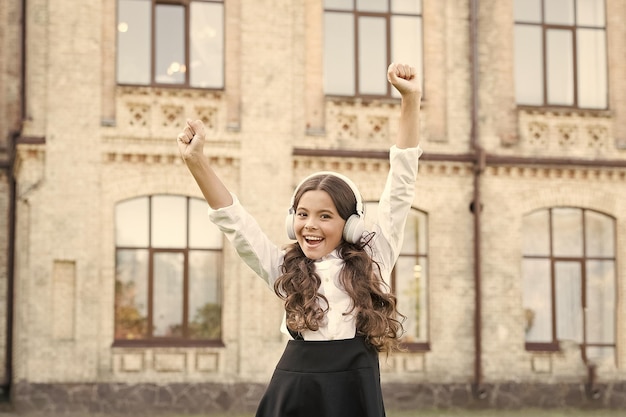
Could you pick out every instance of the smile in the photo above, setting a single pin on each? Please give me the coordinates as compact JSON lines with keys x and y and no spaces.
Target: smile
{"x":313,"y":239}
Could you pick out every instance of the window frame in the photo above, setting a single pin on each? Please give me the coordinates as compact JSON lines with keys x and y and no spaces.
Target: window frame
{"x":184,"y":340}
{"x":186,"y":4}
{"x":420,"y":346}
{"x":573,"y":29}
{"x":387,"y":16}
{"x":555,"y":345}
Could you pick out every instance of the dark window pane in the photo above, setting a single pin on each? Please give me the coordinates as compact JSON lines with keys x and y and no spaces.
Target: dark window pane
{"x":592,"y":71}
{"x":559,"y":12}
{"x":590,"y":13}
{"x":132,"y":222}
{"x":528,"y":65}
{"x":537,"y":300}
{"x":131,"y":294}
{"x":536,"y":233}
{"x":567,"y":232}
{"x":372,"y":55}
{"x":339,"y":67}
{"x":133,"y":41}
{"x":528,"y":11}
{"x":168,"y":294}
{"x":569,"y":311}
{"x":169,"y":221}
{"x":170,"y":44}
{"x":205,"y":310}
{"x":600,"y":311}
{"x":206,"y":35}
{"x":560,"y":67}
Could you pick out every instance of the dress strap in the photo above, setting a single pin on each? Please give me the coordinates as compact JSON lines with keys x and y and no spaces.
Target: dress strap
{"x":295,"y":335}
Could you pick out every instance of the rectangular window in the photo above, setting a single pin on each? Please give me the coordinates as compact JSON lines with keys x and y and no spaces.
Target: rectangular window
{"x":171,"y":42}
{"x":560,"y":53}
{"x":362,"y":37}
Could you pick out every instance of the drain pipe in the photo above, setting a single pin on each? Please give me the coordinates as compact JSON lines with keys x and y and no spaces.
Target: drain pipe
{"x":5,"y":389}
{"x":476,"y":205}
{"x":13,"y":139}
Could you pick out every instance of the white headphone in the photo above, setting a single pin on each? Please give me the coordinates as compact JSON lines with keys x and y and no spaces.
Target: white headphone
{"x":355,"y":225}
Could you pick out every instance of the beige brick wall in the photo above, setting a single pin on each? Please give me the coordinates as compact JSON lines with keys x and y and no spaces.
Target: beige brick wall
{"x":68,"y":188}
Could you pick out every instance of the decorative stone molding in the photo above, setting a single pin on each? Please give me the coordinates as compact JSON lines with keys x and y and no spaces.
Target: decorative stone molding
{"x":355,"y":124}
{"x":161,"y":112}
{"x":557,"y":133}
{"x":303,"y":166}
{"x":577,"y":173}
{"x":181,"y":361}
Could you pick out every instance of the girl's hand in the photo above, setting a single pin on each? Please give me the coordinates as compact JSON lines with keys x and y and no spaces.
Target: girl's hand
{"x":191,"y":140}
{"x":404,"y":78}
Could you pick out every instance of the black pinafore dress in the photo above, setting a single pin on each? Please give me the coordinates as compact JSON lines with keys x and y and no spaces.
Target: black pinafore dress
{"x":337,"y":378}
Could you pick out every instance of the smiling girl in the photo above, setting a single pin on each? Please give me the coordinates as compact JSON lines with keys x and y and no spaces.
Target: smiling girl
{"x":332,"y":279}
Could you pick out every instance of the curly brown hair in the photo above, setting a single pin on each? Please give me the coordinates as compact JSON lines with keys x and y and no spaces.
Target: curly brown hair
{"x":377,"y":318}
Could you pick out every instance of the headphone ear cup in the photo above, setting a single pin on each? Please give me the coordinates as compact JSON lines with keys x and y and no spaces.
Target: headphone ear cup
{"x":289,"y":226}
{"x":353,"y":229}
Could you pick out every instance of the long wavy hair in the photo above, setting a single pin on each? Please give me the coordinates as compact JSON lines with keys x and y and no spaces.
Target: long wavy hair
{"x":377,"y":318}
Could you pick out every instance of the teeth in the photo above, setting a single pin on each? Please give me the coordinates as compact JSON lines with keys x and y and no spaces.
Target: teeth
{"x":313,"y":238}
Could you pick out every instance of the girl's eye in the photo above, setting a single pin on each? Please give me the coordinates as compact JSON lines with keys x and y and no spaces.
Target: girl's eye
{"x":301,"y":214}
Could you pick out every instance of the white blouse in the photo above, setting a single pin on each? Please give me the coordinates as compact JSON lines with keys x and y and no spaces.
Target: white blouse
{"x":265,"y":258}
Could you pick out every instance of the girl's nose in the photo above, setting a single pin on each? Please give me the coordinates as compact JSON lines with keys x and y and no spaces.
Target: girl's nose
{"x":310,"y":225}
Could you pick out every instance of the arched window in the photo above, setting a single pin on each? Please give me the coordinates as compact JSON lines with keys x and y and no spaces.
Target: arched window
{"x":568,"y":268}
{"x":409,"y":280}
{"x":168,"y":274}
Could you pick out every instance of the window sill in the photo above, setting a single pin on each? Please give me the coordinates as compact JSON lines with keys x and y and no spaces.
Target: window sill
{"x":543,"y":347}
{"x":160,"y":343}
{"x":415,"y":347}
{"x":565,"y":111}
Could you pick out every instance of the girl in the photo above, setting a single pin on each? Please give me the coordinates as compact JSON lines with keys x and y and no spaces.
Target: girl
{"x":332,"y":279}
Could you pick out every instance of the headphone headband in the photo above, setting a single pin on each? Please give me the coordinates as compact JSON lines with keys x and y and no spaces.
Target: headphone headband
{"x":348,"y":181}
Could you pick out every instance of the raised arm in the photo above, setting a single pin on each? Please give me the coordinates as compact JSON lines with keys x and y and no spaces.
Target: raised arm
{"x":191,"y":144}
{"x":404,"y":78}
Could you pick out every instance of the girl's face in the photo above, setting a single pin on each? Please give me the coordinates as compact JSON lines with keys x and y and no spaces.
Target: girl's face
{"x":318,"y":225}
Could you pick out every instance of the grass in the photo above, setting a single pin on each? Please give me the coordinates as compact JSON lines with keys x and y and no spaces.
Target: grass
{"x":457,"y":412}
{"x":529,"y":412}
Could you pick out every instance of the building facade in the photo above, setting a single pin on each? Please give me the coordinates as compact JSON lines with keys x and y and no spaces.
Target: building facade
{"x":119,"y":296}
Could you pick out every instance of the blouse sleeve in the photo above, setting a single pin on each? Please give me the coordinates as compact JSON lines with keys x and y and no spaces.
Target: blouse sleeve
{"x":251,"y":243}
{"x":394,"y":206}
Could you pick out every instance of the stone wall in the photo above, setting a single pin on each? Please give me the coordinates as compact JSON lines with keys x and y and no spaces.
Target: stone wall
{"x":201,"y":398}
